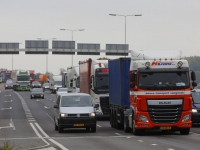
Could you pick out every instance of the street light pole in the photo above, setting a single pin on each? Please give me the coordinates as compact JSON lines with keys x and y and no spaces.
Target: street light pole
{"x":72,"y":37}
{"x":125,"y":20}
{"x":46,"y":54}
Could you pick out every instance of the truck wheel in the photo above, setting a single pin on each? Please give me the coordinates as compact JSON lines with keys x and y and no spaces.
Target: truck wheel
{"x":93,"y":129}
{"x":185,"y":131}
{"x":134,"y":130}
{"x":126,"y":127}
{"x":31,"y":97}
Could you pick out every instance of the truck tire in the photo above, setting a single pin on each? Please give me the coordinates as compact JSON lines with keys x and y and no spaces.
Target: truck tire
{"x":126,"y":125}
{"x":134,"y":130}
{"x":185,"y":131}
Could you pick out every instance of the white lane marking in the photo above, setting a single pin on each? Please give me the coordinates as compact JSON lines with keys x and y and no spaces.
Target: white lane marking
{"x":38,"y":134}
{"x":6,"y":108}
{"x":42,"y":131}
{"x":140,"y":141}
{"x":154,"y":144}
{"x":58,"y":144}
{"x":37,"y":100}
{"x":98,"y":126}
{"x":46,"y":107}
{"x":54,"y":101}
{"x":117,"y":134}
{"x":31,"y":120}
{"x":12,"y":124}
{"x":170,"y":149}
{"x":7,"y":95}
{"x":8,"y":101}
{"x":128,"y":137}
{"x":90,"y":137}
{"x":49,"y":116}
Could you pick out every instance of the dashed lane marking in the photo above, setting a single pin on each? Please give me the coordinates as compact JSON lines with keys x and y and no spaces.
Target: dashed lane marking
{"x":8,"y":101}
{"x":140,"y":141}
{"x":7,"y":95}
{"x":49,"y":116}
{"x":170,"y":149}
{"x":117,"y":134}
{"x":46,"y":107}
{"x":6,"y":108}
{"x":154,"y":144}
{"x":98,"y":126}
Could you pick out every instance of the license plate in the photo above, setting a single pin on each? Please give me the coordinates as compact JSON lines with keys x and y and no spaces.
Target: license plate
{"x":78,"y":125}
{"x":165,"y":128}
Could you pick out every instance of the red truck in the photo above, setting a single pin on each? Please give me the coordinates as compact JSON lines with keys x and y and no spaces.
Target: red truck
{"x":32,"y":76}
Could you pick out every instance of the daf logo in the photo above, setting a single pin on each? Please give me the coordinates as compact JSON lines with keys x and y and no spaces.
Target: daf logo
{"x":164,"y":103}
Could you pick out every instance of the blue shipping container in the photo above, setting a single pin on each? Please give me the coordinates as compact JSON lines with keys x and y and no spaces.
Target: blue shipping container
{"x":119,"y":81}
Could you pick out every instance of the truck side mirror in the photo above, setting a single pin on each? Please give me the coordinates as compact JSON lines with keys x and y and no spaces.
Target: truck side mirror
{"x":132,"y":77}
{"x":193,"y":76}
{"x":194,"y":84}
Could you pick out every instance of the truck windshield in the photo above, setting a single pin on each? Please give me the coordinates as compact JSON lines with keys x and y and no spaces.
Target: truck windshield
{"x":102,"y":81}
{"x":58,"y":82}
{"x":23,"y":78}
{"x":164,"y":80}
{"x":32,"y":76}
{"x":196,"y":97}
{"x":76,"y":101}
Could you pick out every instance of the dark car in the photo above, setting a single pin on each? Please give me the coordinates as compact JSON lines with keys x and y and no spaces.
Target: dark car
{"x":36,"y":84}
{"x":37,"y":93}
{"x":195,"y":106}
{"x":9,"y":84}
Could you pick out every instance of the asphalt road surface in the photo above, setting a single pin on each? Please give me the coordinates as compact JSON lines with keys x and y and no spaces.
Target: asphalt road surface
{"x":28,"y":124}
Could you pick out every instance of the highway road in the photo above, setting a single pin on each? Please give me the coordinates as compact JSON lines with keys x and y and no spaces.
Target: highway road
{"x":28,"y":124}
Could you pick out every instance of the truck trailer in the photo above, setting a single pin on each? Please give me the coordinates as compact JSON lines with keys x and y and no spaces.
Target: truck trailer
{"x":94,"y":81}
{"x":55,"y":82}
{"x":150,"y":91}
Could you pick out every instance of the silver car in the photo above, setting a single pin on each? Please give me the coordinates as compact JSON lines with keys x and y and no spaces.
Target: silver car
{"x":61,"y":91}
{"x":75,"y":110}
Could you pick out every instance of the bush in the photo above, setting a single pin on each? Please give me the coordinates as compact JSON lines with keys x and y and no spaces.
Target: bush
{"x":7,"y":146}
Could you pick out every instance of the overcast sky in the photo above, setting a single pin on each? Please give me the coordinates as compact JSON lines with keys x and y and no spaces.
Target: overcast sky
{"x":164,"y":25}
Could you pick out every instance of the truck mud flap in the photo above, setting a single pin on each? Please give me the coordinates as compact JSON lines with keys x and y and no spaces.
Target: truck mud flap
{"x":105,"y":106}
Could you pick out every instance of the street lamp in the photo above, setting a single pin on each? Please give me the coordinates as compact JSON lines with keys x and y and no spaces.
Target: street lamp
{"x":72,"y":36}
{"x":47,"y":54}
{"x":125,"y":20}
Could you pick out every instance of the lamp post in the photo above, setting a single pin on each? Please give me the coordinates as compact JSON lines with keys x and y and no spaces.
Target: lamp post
{"x":46,"y":54}
{"x":125,"y":20}
{"x":72,"y":36}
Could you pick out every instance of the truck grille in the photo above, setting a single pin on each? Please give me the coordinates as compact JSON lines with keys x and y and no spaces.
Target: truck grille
{"x":104,"y":103}
{"x":165,"y":113}
{"x":78,"y":115}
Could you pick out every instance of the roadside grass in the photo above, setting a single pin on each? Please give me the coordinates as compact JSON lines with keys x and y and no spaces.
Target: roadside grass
{"x":7,"y":146}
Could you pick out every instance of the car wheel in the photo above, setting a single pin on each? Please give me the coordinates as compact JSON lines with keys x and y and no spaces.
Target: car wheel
{"x":60,"y":129}
{"x":56,"y":127}
{"x":43,"y":97}
{"x":87,"y":129}
{"x":93,"y":129}
{"x":31,"y":97}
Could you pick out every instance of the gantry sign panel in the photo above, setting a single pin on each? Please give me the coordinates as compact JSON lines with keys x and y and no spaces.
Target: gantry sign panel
{"x":63,"y":47}
{"x":117,"y":49}
{"x":88,"y":49}
{"x":9,"y":48}
{"x":36,"y":46}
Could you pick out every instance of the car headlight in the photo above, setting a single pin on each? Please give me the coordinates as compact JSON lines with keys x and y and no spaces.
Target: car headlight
{"x":143,"y":118}
{"x":39,"y":84}
{"x":41,"y":95}
{"x":33,"y":85}
{"x":32,"y":95}
{"x":194,"y":110}
{"x":63,"y":115}
{"x":55,"y":88}
{"x":6,"y":85}
{"x":92,"y":114}
{"x":186,"y":118}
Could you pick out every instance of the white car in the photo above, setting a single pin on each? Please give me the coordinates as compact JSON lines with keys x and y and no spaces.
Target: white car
{"x":61,"y":91}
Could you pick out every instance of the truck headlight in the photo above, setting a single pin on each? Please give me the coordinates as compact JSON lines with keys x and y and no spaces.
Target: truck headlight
{"x":143,"y":118}
{"x":92,"y":114}
{"x":32,"y":95}
{"x":194,"y":110}
{"x":62,"y":115}
{"x":186,"y":118}
{"x":6,"y":85}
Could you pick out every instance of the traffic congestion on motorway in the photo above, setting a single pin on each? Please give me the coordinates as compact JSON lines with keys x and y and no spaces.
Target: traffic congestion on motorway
{"x":137,"y":101}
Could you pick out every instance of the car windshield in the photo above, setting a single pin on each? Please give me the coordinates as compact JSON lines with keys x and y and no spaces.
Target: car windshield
{"x":9,"y":82}
{"x":58,"y":82}
{"x":46,"y":84}
{"x":37,"y":90}
{"x":76,"y":101}
{"x":163,"y":80}
{"x":196,"y":97}
{"x":35,"y":82}
{"x":62,"y":90}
